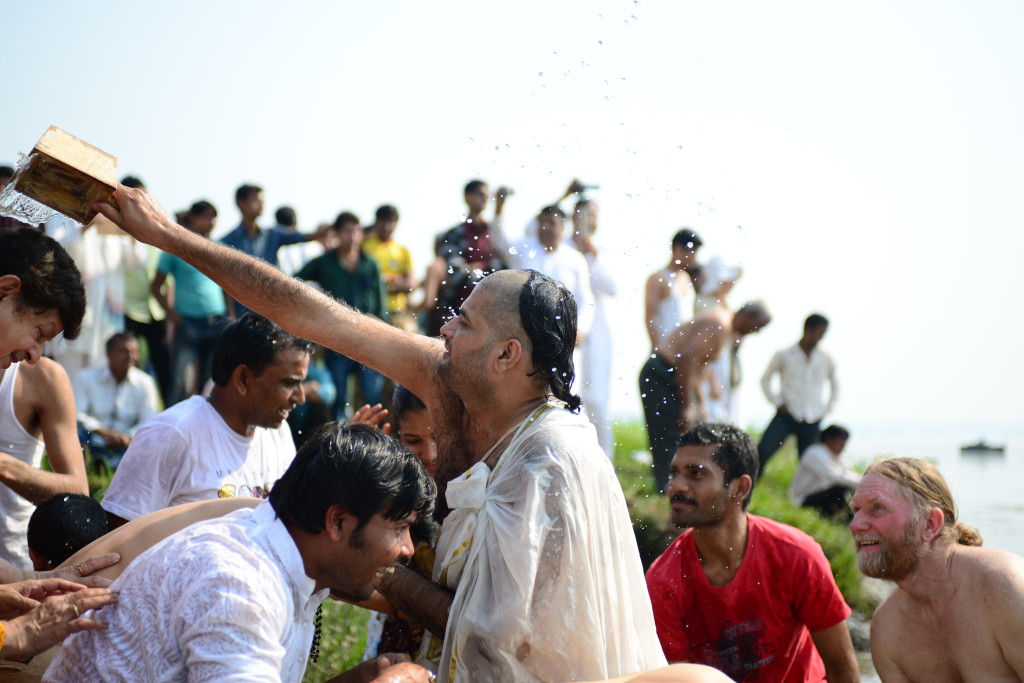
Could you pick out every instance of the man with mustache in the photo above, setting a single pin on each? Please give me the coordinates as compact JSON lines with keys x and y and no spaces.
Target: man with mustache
{"x":538,"y":575}
{"x":744,"y":594}
{"x":957,"y":613}
{"x":234,"y":442}
{"x":235,"y":597}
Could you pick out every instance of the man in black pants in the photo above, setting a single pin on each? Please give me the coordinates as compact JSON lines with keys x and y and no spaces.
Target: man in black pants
{"x":803,"y":371}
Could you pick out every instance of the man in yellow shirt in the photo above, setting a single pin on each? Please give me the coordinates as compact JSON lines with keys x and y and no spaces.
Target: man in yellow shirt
{"x":395,"y":264}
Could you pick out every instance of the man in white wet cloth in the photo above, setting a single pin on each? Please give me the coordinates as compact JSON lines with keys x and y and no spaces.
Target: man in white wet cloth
{"x":537,"y":574}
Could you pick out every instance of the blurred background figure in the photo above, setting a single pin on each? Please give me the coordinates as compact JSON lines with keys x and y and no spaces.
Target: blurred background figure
{"x":113,"y":400}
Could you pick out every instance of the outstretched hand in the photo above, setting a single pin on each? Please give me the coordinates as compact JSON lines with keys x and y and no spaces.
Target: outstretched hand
{"x":80,"y":572}
{"x":54,"y":619}
{"x":372,"y":416}
{"x":138,"y":213}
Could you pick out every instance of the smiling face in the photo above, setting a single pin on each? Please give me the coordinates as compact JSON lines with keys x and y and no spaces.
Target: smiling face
{"x":697,"y":489}
{"x":380,"y":543}
{"x":887,"y":529}
{"x":417,"y":435}
{"x":274,"y":393}
{"x":24,"y":331}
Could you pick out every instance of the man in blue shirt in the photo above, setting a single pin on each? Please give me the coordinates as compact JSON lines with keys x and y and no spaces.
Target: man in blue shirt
{"x":250,"y":238}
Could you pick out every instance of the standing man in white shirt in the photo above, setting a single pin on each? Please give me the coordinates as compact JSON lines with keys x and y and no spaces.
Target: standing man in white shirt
{"x":234,"y":443}
{"x":114,"y":399}
{"x":800,"y":402}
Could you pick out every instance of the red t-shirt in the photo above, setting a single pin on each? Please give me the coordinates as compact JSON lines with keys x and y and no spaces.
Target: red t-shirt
{"x":757,"y":627}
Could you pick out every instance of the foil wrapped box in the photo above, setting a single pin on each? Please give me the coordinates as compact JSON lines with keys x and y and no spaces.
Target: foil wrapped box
{"x":68,"y":175}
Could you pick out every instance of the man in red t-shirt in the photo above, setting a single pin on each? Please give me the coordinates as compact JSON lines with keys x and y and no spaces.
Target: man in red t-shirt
{"x":744,"y":594}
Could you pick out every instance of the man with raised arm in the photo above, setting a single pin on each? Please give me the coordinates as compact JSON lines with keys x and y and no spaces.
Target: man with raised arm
{"x":957,"y":613}
{"x":538,"y":574}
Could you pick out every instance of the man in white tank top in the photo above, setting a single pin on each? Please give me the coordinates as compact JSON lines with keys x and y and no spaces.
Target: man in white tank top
{"x":37,"y":408}
{"x":669,"y":296}
{"x":41,"y":294}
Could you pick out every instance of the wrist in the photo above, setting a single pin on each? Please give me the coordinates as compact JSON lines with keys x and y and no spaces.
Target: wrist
{"x":12,"y":640}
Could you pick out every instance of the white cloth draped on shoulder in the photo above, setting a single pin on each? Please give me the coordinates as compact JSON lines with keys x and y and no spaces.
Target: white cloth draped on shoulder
{"x":542,"y":557}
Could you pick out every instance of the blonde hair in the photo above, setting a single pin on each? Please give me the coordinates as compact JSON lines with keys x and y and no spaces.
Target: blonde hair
{"x":926,"y":488}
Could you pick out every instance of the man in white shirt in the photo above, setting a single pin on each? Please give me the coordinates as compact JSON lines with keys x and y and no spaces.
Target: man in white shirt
{"x":800,"y":402}
{"x":235,"y":442}
{"x":823,"y":479}
{"x":114,"y":399}
{"x":235,"y":598}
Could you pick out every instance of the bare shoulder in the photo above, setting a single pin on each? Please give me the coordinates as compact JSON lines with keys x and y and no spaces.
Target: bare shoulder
{"x":889,"y":619}
{"x":45,"y":368}
{"x":44,"y":379}
{"x":656,"y":283}
{"x":991,"y":569}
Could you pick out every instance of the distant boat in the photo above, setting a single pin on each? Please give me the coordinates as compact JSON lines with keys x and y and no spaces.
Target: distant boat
{"x":983,"y":448}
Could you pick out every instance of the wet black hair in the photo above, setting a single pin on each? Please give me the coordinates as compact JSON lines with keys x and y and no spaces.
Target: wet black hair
{"x":547,"y":312}
{"x":252,"y":341}
{"x":49,"y":277}
{"x":735,"y":451}
{"x":64,"y":524}
{"x":358,"y":468}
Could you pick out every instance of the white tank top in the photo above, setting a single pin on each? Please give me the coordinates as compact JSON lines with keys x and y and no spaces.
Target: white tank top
{"x":678,"y":307}
{"x":18,"y":443}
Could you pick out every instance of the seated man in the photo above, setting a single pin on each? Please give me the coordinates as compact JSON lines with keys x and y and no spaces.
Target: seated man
{"x":747,"y":595}
{"x":823,"y":479}
{"x":235,"y":597}
{"x":113,"y":400}
{"x":62,"y":526}
{"x":957,"y":613}
{"x":234,"y":443}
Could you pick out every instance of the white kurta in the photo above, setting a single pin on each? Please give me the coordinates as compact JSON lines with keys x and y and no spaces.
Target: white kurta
{"x":541,"y":554}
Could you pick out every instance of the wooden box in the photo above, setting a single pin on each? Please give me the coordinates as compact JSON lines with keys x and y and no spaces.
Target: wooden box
{"x":68,"y":175}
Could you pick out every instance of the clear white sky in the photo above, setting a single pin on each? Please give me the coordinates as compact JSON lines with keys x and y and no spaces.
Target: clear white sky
{"x":860,"y":159}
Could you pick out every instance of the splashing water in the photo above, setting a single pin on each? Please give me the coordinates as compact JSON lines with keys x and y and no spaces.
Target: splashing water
{"x":21,"y":207}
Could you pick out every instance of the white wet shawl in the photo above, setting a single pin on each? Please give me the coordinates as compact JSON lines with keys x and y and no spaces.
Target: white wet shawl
{"x":541,"y":554}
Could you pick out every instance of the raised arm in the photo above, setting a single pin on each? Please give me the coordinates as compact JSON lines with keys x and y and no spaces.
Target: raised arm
{"x":407,"y":358}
